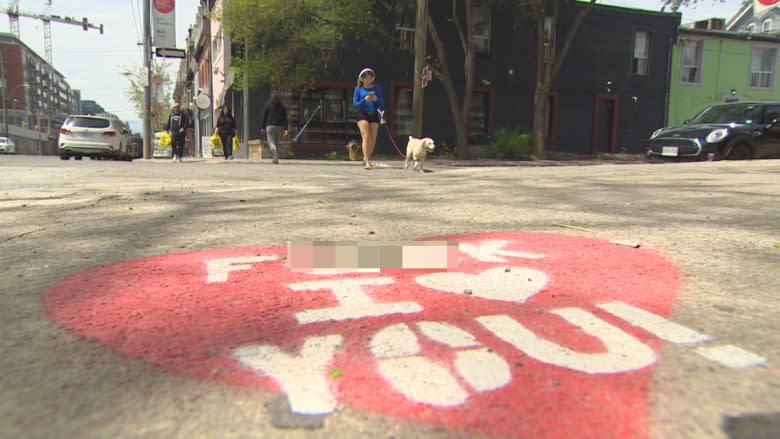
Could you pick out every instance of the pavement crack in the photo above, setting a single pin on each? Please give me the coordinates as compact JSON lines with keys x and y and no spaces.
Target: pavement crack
{"x":22,"y":235}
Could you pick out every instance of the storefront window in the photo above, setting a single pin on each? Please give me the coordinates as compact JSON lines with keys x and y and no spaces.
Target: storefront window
{"x":333,"y":120}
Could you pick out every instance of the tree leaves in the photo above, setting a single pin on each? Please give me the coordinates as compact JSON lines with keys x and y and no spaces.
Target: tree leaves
{"x":292,"y":41}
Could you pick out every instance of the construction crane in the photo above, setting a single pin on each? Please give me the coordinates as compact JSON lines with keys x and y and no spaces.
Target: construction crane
{"x":14,"y":14}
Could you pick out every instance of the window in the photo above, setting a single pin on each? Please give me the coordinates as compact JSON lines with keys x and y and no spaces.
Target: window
{"x":641,"y":50}
{"x":750,"y":28}
{"x":405,"y":11}
{"x":479,"y":127}
{"x":766,"y":26}
{"x":330,"y":109}
{"x":481,"y":17}
{"x":480,"y":112}
{"x":690,"y":67}
{"x":549,"y":40}
{"x":762,"y":67}
{"x":216,"y":45}
{"x":402,"y":113}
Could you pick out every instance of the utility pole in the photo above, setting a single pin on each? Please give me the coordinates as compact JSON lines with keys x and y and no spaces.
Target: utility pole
{"x":246,"y":99}
{"x":147,"y":87}
{"x":420,"y":40}
{"x":4,"y":85}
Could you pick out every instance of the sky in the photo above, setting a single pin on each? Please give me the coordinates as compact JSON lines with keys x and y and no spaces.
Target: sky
{"x":91,"y":62}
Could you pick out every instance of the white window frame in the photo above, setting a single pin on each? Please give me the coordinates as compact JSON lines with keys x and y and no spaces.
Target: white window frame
{"x":405,"y":31}
{"x":549,"y":39}
{"x":402,"y":125}
{"x":640,"y":62}
{"x":766,"y":26}
{"x":763,"y":79}
{"x":482,"y":41}
{"x":750,"y":28}
{"x":698,"y":62}
{"x":217,"y":44}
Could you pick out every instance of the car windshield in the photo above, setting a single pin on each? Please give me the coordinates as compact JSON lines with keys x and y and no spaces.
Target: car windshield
{"x":88,"y":122}
{"x":740,"y":114}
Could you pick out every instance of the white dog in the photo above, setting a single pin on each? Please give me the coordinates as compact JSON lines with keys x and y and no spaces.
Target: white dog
{"x":416,"y":150}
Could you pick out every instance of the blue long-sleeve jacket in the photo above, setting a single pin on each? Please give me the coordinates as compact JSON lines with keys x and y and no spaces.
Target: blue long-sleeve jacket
{"x":359,"y":98}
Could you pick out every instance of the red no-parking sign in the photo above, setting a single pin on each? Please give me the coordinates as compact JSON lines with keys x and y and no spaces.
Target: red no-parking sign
{"x":535,"y":335}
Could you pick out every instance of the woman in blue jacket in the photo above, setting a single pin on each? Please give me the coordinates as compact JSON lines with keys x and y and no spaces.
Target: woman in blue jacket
{"x":369,"y":101}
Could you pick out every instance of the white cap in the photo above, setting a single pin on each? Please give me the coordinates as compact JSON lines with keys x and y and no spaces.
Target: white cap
{"x":364,"y":71}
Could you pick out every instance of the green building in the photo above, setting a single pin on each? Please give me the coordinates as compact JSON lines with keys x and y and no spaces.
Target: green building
{"x":712,"y":66}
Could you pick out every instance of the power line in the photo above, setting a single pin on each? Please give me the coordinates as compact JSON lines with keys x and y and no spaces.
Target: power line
{"x":135,"y":20}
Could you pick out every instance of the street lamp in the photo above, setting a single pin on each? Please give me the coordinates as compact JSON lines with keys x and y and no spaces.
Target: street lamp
{"x":5,"y":103}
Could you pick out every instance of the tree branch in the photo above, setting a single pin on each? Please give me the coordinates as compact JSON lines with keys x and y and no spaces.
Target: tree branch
{"x":570,"y":38}
{"x":458,"y":26}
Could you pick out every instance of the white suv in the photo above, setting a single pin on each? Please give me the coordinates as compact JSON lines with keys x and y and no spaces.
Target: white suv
{"x":7,"y":146}
{"x":97,"y":137}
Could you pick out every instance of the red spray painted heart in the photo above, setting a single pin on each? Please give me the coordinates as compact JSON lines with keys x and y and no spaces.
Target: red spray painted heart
{"x":523,"y":340}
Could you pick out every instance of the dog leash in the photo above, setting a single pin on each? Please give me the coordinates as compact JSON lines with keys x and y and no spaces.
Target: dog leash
{"x":392,"y":140}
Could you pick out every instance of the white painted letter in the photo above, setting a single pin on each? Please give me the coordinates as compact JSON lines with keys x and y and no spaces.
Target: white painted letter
{"x":624,"y":352}
{"x":303,"y":378}
{"x":656,"y":325}
{"x":218,"y":269}
{"x":424,"y":380}
{"x":354,"y":303}
{"x":488,"y":251}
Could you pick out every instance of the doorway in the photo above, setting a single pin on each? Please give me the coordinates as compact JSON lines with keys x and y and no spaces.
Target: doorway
{"x":605,"y":124}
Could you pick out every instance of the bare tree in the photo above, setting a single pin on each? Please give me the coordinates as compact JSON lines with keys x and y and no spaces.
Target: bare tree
{"x":548,"y":63}
{"x":460,"y":105}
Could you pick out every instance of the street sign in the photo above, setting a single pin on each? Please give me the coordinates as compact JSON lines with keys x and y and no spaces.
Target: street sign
{"x":426,"y":75}
{"x":163,"y":52}
{"x":526,"y":329}
{"x":203,"y":101}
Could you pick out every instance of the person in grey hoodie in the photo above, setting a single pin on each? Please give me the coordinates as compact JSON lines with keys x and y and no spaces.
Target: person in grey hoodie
{"x":274,"y":124}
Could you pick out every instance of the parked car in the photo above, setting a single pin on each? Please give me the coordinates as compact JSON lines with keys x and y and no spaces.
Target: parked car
{"x":97,"y":137}
{"x":7,"y":146}
{"x":735,"y":131}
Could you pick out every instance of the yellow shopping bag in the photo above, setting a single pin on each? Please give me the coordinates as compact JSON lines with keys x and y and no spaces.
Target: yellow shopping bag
{"x":165,"y":139}
{"x":236,"y":144}
{"x":216,"y":142}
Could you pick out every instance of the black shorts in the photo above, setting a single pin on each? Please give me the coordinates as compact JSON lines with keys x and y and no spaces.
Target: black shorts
{"x":370,"y":116}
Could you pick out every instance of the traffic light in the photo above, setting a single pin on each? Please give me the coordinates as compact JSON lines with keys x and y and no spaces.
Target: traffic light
{"x":85,"y":24}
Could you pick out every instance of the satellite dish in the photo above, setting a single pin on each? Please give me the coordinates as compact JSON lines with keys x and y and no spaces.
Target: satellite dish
{"x":203,"y":101}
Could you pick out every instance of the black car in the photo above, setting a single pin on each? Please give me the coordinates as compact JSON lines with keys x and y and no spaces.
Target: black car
{"x":736,"y":131}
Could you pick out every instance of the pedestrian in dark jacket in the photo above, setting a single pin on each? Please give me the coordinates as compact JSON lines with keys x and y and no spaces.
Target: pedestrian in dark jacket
{"x":176,"y":126}
{"x":274,"y":124}
{"x":226,"y":129}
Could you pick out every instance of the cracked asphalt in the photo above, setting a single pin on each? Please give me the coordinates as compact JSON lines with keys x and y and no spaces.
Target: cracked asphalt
{"x":717,"y":222}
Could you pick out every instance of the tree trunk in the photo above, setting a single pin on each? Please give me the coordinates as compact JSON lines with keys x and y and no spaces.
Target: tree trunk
{"x":460,"y":112}
{"x":547,"y":68}
{"x":539,"y":125}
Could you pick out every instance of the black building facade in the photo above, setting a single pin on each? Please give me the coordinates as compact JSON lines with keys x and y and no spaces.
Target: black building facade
{"x":609,"y":95}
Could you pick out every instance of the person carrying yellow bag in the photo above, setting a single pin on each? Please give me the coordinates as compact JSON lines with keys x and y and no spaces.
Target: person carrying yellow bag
{"x":226,"y":128}
{"x":177,"y":126}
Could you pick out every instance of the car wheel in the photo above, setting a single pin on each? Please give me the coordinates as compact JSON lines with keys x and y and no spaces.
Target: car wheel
{"x":740,"y":152}
{"x":64,"y":157}
{"x":77,"y":157}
